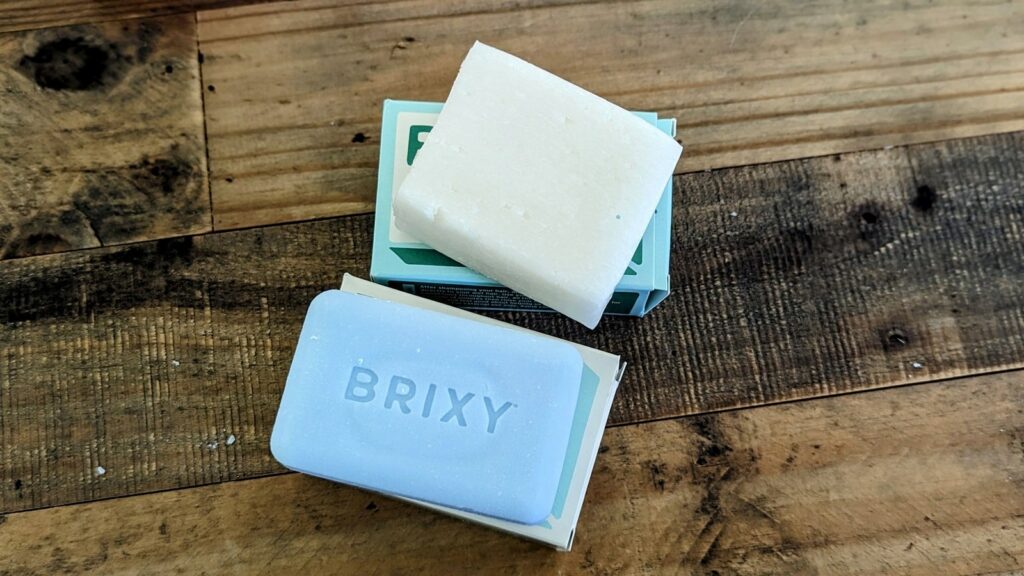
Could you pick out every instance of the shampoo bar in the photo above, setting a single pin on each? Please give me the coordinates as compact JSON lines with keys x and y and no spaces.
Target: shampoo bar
{"x":428,"y":406}
{"x":536,"y":183}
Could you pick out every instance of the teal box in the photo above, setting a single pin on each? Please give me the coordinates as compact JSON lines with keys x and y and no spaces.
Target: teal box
{"x":400,"y":261}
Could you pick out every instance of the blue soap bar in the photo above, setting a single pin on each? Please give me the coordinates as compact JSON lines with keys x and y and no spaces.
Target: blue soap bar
{"x":429,"y":406}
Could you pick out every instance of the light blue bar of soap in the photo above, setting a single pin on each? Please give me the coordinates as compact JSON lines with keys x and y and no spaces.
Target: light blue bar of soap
{"x":429,"y":406}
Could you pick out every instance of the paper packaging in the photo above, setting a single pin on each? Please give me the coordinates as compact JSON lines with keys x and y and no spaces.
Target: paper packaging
{"x":597,"y":389}
{"x":402,"y":262}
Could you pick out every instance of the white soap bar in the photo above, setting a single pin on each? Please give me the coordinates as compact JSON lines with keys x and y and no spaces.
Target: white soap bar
{"x":536,"y":183}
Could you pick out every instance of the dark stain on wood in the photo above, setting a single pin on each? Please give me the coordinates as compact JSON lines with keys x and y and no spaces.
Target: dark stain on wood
{"x":120,"y":204}
{"x":37,"y":237}
{"x":129,"y":263}
{"x":925,"y":198}
{"x":712,"y":463}
{"x":115,"y":206}
{"x":157,"y":272}
{"x":894,"y":339}
{"x":657,"y":471}
{"x":147,"y":32}
{"x":719,"y":468}
{"x":80,"y":58}
{"x":710,"y":504}
{"x":1017,"y":442}
{"x":119,"y":157}
{"x":797,"y":246}
{"x":791,"y":458}
{"x":867,"y":218}
{"x":74,"y":63}
{"x":868,"y":214}
{"x":713,"y":446}
{"x":59,"y":562}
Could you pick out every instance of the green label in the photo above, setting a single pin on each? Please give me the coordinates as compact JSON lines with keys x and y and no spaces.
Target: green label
{"x":424,"y":257}
{"x":431,"y":257}
{"x":622,"y":303}
{"x":417,"y":134}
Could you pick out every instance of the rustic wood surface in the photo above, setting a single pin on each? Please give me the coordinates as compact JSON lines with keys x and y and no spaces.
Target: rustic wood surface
{"x":919,"y":480}
{"x":145,"y":369}
{"x":792,"y":280}
{"x":29,"y":14}
{"x":101,"y":136}
{"x":294,"y":116}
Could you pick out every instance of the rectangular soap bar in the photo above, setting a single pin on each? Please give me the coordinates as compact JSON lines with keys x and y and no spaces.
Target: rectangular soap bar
{"x":420,"y":404}
{"x":536,"y":183}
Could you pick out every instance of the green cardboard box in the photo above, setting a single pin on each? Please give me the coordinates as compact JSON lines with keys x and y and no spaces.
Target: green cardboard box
{"x":400,"y":261}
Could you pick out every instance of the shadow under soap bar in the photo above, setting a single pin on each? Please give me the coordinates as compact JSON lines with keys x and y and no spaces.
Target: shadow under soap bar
{"x":428,"y":406}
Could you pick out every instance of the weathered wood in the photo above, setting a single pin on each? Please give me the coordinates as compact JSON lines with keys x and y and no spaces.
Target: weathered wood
{"x":791,"y":280}
{"x":29,"y":14}
{"x":101,"y":136}
{"x":295,"y":117}
{"x":912,"y":481}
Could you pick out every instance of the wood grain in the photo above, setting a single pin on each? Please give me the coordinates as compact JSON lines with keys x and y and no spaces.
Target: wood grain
{"x":101,"y":136}
{"x":920,"y":480}
{"x":29,"y":14}
{"x":295,"y":117}
{"x":791,"y":280}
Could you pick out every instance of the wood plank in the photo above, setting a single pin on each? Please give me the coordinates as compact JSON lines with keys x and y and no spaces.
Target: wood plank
{"x":295,"y":117}
{"x":30,"y":14}
{"x":913,"y":481}
{"x":101,"y":136}
{"x":791,"y":280}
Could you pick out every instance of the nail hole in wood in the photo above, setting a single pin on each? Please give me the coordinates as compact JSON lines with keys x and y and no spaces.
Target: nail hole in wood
{"x":897,"y":338}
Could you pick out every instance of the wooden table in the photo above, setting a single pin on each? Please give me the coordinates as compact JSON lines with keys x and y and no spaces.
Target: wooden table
{"x":178,"y":178}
